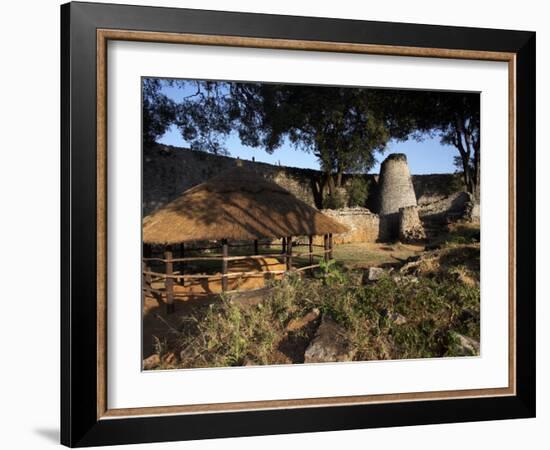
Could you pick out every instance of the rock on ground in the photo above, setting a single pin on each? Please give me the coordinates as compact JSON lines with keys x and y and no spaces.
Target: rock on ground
{"x":375,"y":273}
{"x":151,"y":362}
{"x":296,"y":324}
{"x":398,"y":319}
{"x":328,"y":344}
{"x":467,"y":346}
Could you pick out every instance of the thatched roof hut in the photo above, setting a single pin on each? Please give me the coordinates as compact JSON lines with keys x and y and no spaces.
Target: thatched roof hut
{"x":236,"y":205}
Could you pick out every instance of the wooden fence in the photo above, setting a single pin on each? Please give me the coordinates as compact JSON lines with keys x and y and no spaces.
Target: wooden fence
{"x":171,"y":276}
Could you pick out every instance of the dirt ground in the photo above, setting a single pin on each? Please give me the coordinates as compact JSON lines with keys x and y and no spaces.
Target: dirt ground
{"x":367,"y":254}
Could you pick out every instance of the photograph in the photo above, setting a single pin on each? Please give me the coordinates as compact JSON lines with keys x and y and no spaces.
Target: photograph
{"x":307,"y":224}
{"x":279,"y":223}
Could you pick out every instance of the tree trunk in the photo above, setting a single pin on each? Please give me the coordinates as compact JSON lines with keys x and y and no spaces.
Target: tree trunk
{"x":339,"y":179}
{"x":476,"y":176}
{"x":460,"y":135}
{"x":317,"y":190}
{"x":466,"y":176}
{"x":330,"y":184}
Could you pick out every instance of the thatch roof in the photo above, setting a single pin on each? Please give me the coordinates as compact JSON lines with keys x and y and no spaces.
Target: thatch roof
{"x":237,"y":205}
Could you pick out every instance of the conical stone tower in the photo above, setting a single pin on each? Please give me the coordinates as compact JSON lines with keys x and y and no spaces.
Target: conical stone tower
{"x":395,"y":185}
{"x":398,"y":207}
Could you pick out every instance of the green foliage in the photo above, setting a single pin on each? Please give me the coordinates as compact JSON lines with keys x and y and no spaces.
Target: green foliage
{"x":434,"y":308}
{"x":330,"y":273}
{"x":158,"y":111}
{"x":358,"y":191}
{"x":343,"y":127}
{"x":201,"y":117}
{"x":334,"y":201}
{"x":462,"y":235}
{"x":227,"y":334}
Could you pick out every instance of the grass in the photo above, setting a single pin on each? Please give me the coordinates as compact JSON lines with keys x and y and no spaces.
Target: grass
{"x":362,"y":255}
{"x":459,"y":234}
{"x":356,"y":255}
{"x":417,"y":310}
{"x":434,"y":306}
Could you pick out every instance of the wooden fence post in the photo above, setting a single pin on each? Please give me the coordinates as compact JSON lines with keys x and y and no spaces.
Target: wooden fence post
{"x":283,"y":246}
{"x":145,"y":265}
{"x":169,"y":283}
{"x":182,"y":263}
{"x":289,"y":253}
{"x":310,"y":250}
{"x":256,"y":247}
{"x":330,"y":255}
{"x":224,"y":264}
{"x":145,"y":285}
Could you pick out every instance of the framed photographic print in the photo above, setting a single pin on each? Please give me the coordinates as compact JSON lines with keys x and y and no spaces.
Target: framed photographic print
{"x":277,"y":224}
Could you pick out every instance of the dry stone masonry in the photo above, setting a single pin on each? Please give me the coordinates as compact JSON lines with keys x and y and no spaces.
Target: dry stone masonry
{"x":169,"y":170}
{"x":364,"y":226}
{"x":395,"y":185}
{"x":398,"y":207}
{"x":410,"y":226}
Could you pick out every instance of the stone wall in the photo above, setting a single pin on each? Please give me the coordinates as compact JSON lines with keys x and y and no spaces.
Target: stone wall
{"x":364,"y":225}
{"x":168,"y":171}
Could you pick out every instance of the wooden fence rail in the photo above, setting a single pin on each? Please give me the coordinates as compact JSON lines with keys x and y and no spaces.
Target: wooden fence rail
{"x":171,"y":276}
{"x":233,"y":258}
{"x":211,"y":277}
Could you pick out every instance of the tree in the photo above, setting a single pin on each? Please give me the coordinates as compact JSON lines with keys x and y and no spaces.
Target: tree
{"x":453,"y":116}
{"x":458,"y":124}
{"x":342,"y":127}
{"x":200,"y":116}
{"x":158,"y":111}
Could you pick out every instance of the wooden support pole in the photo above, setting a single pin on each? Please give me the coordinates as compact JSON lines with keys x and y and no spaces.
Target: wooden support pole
{"x":256,"y":247}
{"x":145,"y":286}
{"x":225,"y":254}
{"x":146,"y":268}
{"x":325,"y":246}
{"x":289,"y":253}
{"x":283,"y":246}
{"x":310,"y":249}
{"x":330,"y":255}
{"x":182,"y":263}
{"x":169,"y":283}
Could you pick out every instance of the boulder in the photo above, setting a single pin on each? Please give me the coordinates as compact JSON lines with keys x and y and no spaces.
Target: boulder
{"x":151,"y":362}
{"x":375,"y":273}
{"x":471,"y":211}
{"x":296,"y":324}
{"x":466,"y":346}
{"x":398,"y":319}
{"x":328,"y":344}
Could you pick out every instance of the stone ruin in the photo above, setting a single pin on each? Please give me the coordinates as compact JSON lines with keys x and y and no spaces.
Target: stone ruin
{"x":398,"y":206}
{"x":398,"y":216}
{"x":169,"y":170}
{"x":410,"y":226}
{"x":396,"y":189}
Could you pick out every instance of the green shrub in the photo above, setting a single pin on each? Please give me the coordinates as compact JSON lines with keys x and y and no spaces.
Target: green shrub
{"x":330,"y":273}
{"x":336,"y":200}
{"x":358,"y":191}
{"x":434,"y":309}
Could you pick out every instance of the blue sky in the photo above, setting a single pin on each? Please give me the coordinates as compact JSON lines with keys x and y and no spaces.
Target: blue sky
{"x":427,"y":156}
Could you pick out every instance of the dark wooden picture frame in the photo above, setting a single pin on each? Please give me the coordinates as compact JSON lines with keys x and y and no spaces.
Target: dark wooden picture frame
{"x":85,"y":417}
